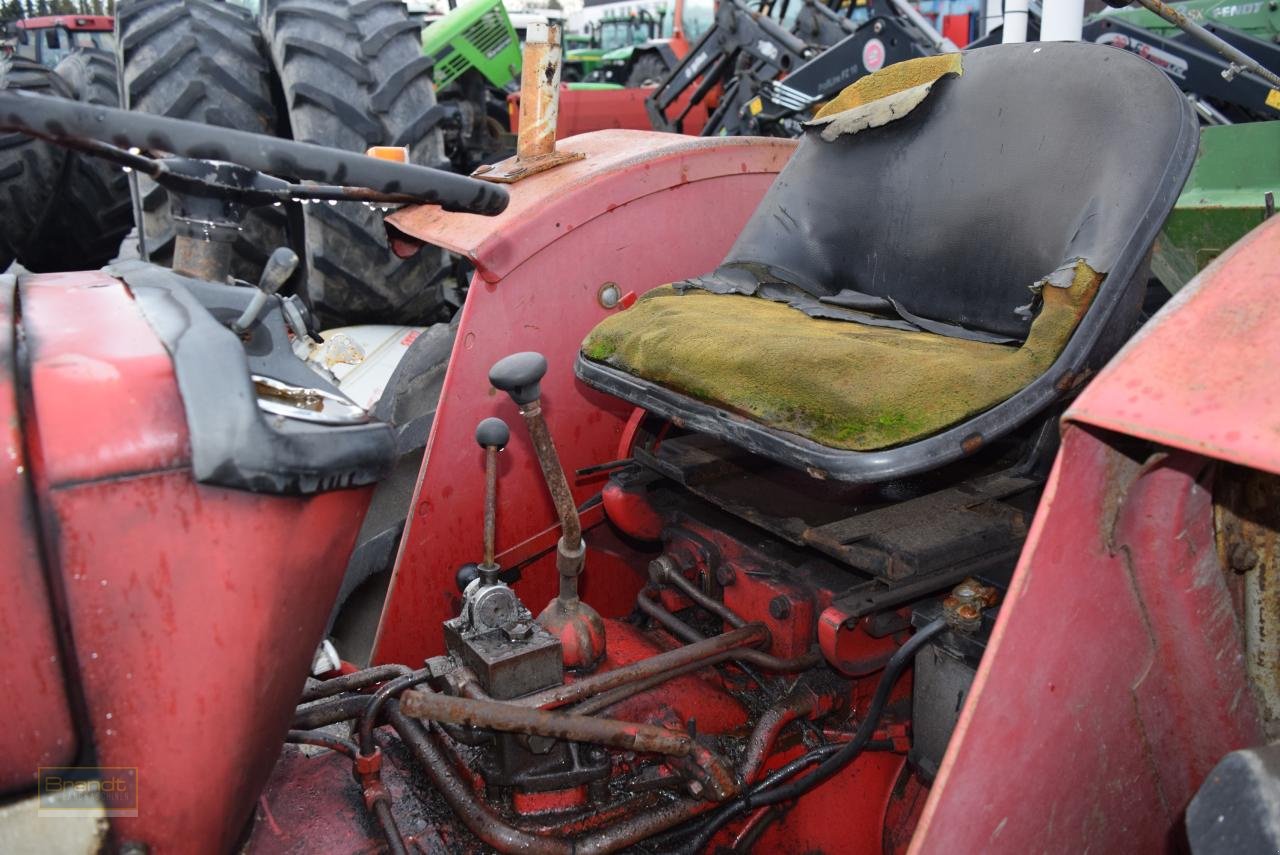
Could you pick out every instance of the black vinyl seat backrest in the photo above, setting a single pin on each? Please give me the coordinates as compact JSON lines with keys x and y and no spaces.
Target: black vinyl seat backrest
{"x":1038,"y":155}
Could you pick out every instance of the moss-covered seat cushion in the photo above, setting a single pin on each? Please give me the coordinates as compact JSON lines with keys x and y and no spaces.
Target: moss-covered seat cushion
{"x":841,"y":384}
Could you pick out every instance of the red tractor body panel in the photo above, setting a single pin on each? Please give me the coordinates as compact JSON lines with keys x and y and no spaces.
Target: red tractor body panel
{"x":193,"y":611}
{"x":1202,"y":376}
{"x":541,"y":266}
{"x":1115,"y":679}
{"x":99,"y":23}
{"x":39,"y":729}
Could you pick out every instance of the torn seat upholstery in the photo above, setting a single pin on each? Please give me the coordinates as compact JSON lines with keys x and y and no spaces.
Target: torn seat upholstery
{"x":957,"y":242}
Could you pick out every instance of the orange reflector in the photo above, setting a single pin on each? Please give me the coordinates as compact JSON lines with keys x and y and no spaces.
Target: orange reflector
{"x":398,"y":153}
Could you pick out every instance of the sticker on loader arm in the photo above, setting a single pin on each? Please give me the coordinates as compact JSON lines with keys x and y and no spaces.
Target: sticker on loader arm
{"x":873,"y":55}
{"x":1273,"y":99}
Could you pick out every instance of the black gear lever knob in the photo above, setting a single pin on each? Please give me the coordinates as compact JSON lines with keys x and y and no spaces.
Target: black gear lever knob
{"x":519,"y":375}
{"x":493,"y":433}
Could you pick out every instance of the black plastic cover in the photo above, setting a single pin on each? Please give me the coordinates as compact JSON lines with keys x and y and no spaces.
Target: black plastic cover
{"x":233,"y":443}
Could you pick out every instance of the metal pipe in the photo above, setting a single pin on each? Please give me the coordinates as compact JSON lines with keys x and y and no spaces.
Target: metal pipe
{"x":1240,"y":61}
{"x":353,"y":682}
{"x":604,"y":700}
{"x":539,"y":92}
{"x":759,"y":658}
{"x":490,"y":502}
{"x":558,"y":696}
{"x":496,"y":832}
{"x":510,"y":718}
{"x":1015,"y":22}
{"x":369,"y":718}
{"x":801,"y":703}
{"x":323,"y":740}
{"x":330,"y":712}
{"x":1061,"y":20}
{"x":386,"y":819}
{"x":663,"y":571}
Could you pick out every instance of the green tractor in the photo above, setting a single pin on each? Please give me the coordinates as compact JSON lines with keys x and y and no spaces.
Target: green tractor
{"x":615,"y":38}
{"x":476,"y":54}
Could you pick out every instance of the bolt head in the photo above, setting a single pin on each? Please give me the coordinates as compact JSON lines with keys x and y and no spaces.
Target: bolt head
{"x":780,"y":608}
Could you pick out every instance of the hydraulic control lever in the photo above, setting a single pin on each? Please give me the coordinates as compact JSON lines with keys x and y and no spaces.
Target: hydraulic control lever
{"x":577,"y":625}
{"x":493,"y":435}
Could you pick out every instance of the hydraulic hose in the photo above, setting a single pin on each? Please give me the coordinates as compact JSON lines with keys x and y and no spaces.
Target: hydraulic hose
{"x":833,"y":757}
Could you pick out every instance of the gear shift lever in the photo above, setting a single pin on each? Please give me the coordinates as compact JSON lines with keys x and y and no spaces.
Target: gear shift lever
{"x":492,"y":434}
{"x":577,"y":625}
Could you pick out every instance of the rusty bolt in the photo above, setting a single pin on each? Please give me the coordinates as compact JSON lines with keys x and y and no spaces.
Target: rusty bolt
{"x":1242,"y":558}
{"x":725,"y":575}
{"x":780,"y":608}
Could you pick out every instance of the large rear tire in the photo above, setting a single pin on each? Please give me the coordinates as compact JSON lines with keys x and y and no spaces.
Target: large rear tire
{"x":30,"y":169}
{"x":201,"y":60}
{"x":93,"y":210}
{"x":354,"y":76}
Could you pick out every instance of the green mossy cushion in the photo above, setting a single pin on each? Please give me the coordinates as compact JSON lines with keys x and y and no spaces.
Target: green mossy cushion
{"x":841,"y":384}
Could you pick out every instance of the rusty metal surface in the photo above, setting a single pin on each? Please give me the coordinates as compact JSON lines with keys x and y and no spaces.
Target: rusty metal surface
{"x":1247,"y":521}
{"x":38,"y":727}
{"x":562,"y":243}
{"x":209,"y":260}
{"x":1200,"y":376}
{"x":620,"y":166}
{"x":1115,"y":678}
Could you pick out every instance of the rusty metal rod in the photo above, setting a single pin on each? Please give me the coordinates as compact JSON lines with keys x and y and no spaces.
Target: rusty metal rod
{"x":490,"y":501}
{"x":539,"y":92}
{"x":663,"y":571}
{"x":604,"y":700}
{"x":553,"y":473}
{"x":496,"y":832}
{"x":759,"y":658}
{"x":748,"y":636}
{"x":510,"y":718}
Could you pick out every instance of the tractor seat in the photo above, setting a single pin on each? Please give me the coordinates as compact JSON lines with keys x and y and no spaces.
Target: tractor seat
{"x":957,"y":242}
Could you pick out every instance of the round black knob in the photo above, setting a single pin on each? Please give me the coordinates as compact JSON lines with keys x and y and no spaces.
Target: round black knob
{"x":518,"y":375}
{"x":466,"y":574}
{"x":493,"y":433}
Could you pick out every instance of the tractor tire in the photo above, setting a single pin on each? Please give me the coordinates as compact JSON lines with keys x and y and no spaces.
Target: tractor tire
{"x":30,"y":169}
{"x":94,"y":210}
{"x":354,"y":76}
{"x":200,"y":60}
{"x":649,"y":70}
{"x":409,"y":405}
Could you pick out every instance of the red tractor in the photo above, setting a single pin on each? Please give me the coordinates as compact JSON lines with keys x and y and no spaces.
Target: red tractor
{"x":776,"y":497}
{"x":49,"y":39}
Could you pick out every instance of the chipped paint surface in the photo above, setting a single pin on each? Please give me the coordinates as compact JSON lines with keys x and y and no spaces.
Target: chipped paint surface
{"x":889,"y":94}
